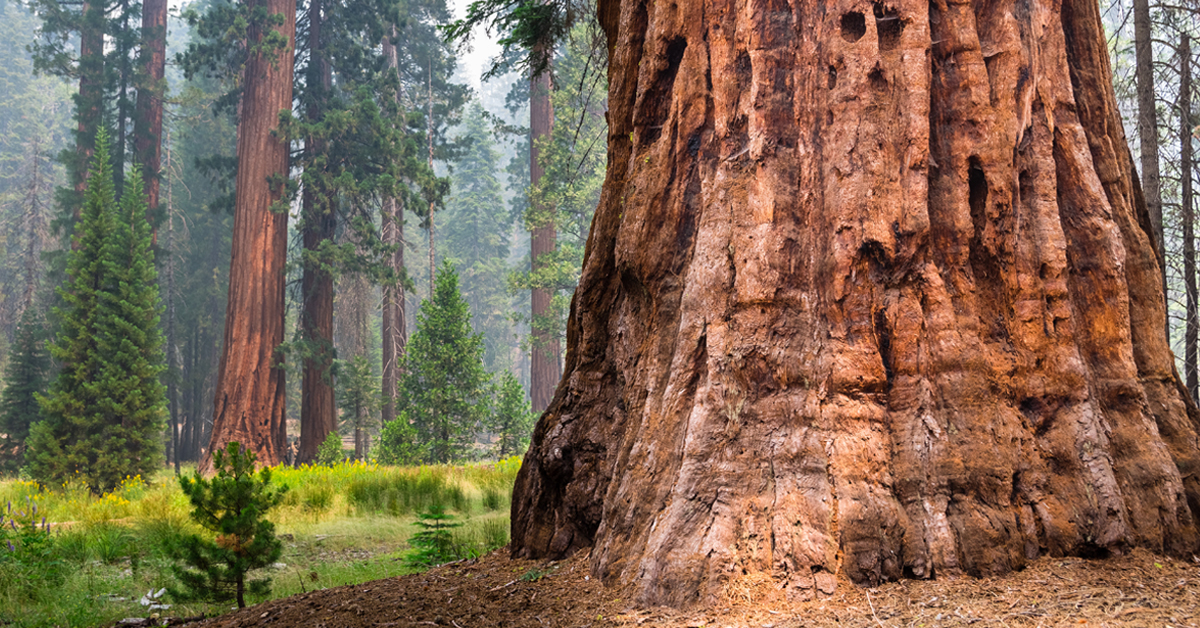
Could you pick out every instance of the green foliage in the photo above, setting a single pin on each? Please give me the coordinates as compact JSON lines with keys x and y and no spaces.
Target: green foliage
{"x":35,"y":116}
{"x":535,"y":573}
{"x":529,"y":29}
{"x":330,"y":451}
{"x":403,"y":493}
{"x":234,"y":505}
{"x":24,"y":378}
{"x":511,"y":421}
{"x":122,"y":543}
{"x":103,"y":417}
{"x":30,"y":561}
{"x":476,"y":231}
{"x":398,"y":445}
{"x":110,"y":70}
{"x":359,"y":396}
{"x":433,"y":544}
{"x":444,"y":386}
{"x":573,"y":159}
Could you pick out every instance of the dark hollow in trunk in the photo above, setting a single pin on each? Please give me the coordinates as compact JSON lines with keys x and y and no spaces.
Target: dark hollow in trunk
{"x":870,"y":289}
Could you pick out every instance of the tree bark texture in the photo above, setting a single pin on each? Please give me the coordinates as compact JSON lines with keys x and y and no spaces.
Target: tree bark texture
{"x":148,"y":120}
{"x":318,"y":409}
{"x":91,"y":94}
{"x":1148,"y":122}
{"x":248,"y":406}
{"x":870,"y":290}
{"x":546,"y":352}
{"x":394,"y":325}
{"x":1191,"y":334}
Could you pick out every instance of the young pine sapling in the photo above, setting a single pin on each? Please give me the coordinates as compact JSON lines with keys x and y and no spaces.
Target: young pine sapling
{"x":233,"y":505}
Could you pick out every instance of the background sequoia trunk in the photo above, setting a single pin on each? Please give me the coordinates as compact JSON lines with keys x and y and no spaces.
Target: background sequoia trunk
{"x":870,"y":289}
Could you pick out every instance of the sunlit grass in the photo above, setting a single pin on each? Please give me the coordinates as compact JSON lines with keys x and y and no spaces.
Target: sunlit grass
{"x":340,"y":525}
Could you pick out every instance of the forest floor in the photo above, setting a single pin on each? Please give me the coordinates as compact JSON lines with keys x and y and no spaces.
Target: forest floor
{"x":1139,"y":589}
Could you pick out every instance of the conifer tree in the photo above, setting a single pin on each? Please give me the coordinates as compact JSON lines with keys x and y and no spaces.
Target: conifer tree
{"x":511,"y":421}
{"x":131,"y":341}
{"x":444,"y":388}
{"x":359,"y":398}
{"x":26,"y":375}
{"x":103,"y":416}
{"x":233,"y":505}
{"x":477,"y":228}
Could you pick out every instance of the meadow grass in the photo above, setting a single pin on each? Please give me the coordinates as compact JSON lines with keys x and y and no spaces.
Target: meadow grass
{"x":344,"y":524}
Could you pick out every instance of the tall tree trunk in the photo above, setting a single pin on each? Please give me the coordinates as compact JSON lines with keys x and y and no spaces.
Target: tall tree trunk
{"x":172,"y":341}
{"x":429,"y":138}
{"x":1148,"y":125}
{"x":190,"y":401}
{"x":546,"y":352}
{"x":865,"y":293}
{"x":248,"y":405}
{"x":1192,"y":325}
{"x":318,"y":411}
{"x":35,"y":224}
{"x":123,"y":49}
{"x":147,"y":125}
{"x":91,"y":94}
{"x":394,"y":327}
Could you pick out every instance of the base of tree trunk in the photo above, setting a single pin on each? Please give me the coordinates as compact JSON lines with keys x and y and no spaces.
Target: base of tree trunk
{"x":870,"y":290}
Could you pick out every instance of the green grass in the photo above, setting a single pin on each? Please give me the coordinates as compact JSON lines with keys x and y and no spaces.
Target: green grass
{"x":344,"y":524}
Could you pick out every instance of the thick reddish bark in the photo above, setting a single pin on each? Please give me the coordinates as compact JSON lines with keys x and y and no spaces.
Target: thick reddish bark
{"x":147,"y":128}
{"x":870,"y":290}
{"x":249,"y":403}
{"x":546,"y":353}
{"x":394,"y":330}
{"x":318,"y":410}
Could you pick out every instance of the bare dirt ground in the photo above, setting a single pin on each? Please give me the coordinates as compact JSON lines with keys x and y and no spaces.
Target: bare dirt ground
{"x":1139,"y":589}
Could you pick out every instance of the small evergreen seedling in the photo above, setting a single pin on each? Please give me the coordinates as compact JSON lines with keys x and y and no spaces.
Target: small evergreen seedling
{"x":233,"y":505}
{"x":434,"y":544}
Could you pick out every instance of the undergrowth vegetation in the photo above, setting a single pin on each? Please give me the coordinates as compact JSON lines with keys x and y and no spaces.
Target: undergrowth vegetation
{"x":340,"y":524}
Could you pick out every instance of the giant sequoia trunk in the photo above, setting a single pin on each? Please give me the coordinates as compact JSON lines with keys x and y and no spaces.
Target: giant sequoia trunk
{"x":249,"y":403}
{"x":870,"y":290}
